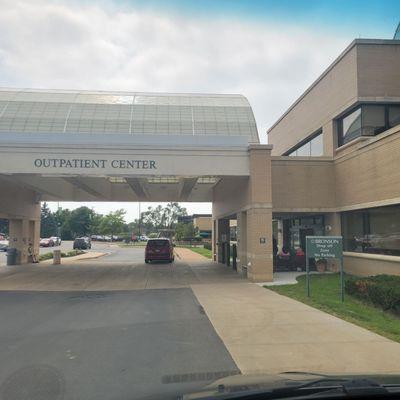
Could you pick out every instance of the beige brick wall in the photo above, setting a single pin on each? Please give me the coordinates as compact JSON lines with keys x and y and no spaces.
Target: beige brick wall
{"x":371,"y":173}
{"x":364,"y":266}
{"x":259,"y":255}
{"x":302,"y":184}
{"x":366,"y":175}
{"x":203,"y":223}
{"x":378,"y":70}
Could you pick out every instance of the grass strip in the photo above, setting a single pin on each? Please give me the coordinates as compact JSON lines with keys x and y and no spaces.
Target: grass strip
{"x":325,"y":295}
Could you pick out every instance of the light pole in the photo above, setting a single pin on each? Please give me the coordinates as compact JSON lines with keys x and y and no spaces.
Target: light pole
{"x":140,"y":221}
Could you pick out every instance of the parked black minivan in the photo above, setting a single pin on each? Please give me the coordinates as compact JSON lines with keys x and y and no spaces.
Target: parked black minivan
{"x":82,"y":243}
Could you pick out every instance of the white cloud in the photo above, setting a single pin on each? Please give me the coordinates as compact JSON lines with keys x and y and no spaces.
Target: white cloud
{"x":72,"y":45}
{"x":97,"y":46}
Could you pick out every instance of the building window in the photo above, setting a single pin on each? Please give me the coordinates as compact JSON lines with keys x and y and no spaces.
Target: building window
{"x":367,"y":120}
{"x":351,"y":126}
{"x":373,"y":120}
{"x":312,"y":147}
{"x":394,"y":116}
{"x":375,"y":230}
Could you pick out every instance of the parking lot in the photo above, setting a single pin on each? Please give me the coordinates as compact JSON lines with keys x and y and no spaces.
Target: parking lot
{"x":115,"y":252}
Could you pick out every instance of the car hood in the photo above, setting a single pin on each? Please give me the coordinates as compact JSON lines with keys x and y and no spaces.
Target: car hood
{"x":236,"y":384}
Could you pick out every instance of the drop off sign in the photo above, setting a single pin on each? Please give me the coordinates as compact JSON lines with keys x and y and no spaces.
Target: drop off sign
{"x":324,"y":246}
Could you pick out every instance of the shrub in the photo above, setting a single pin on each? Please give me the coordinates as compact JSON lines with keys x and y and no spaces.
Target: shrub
{"x":207,"y":246}
{"x":381,"y":290}
{"x":46,"y":256}
{"x":72,"y":253}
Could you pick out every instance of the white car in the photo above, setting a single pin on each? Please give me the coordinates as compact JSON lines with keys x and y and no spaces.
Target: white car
{"x":56,"y":240}
{"x":4,"y":245}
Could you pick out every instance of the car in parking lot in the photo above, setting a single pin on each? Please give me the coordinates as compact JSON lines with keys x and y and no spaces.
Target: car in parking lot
{"x":160,"y":249}
{"x":56,"y":240}
{"x":46,"y":242}
{"x":82,"y":243}
{"x":3,"y":244}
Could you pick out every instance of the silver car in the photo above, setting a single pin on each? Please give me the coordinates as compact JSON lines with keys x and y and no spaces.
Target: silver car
{"x":4,"y":245}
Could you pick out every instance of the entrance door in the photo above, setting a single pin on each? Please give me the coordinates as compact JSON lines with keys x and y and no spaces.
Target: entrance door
{"x":303,"y":234}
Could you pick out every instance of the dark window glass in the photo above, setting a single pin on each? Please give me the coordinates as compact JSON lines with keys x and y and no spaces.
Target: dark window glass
{"x":158,"y":243}
{"x":351,"y":126}
{"x":313,"y":147}
{"x":318,"y":221}
{"x":373,"y":120}
{"x":394,"y":116}
{"x":376,"y":230}
{"x":368,"y":120}
{"x":307,"y":221}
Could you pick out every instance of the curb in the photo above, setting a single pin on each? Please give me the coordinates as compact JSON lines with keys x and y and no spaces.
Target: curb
{"x":75,"y":258}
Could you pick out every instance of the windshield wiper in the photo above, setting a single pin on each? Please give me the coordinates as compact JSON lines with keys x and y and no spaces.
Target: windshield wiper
{"x":343,"y":387}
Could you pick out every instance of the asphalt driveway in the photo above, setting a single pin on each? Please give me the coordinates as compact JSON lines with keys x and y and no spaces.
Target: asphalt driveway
{"x":106,"y":345}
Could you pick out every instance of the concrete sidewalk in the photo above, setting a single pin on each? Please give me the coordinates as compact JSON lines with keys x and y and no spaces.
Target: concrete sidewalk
{"x":269,"y":333}
{"x":189,"y":256}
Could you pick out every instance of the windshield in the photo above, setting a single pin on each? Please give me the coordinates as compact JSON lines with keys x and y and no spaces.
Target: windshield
{"x":199,"y":199}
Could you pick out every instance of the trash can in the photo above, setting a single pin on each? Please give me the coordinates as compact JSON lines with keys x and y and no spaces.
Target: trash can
{"x":11,"y":256}
{"x":56,"y":257}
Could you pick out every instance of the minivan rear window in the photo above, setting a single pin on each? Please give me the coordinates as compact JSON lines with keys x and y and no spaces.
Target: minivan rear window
{"x":157,"y":243}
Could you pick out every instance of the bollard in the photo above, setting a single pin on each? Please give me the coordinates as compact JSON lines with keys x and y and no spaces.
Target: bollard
{"x":56,"y":257}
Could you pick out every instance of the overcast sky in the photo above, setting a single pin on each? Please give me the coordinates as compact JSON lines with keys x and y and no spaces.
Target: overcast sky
{"x":270,"y":51}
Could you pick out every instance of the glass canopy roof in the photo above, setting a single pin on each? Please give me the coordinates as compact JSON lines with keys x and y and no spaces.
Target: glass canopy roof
{"x":70,"y":112}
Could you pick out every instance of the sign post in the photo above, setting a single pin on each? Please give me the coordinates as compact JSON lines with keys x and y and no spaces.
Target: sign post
{"x":324,"y":247}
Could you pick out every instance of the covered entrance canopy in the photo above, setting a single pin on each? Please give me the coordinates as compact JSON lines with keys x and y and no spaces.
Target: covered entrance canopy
{"x":113,"y":146}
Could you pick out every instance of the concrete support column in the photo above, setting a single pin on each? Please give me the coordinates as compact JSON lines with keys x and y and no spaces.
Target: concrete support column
{"x":34,"y":236}
{"x":259,"y":245}
{"x":214,"y":239}
{"x":19,"y":238}
{"x":223,"y":237}
{"x":24,"y":233}
{"x":241,"y":240}
{"x":259,"y":215}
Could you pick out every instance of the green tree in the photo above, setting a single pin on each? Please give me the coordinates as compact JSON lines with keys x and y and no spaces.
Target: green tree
{"x":48,"y":224}
{"x":96,"y":222}
{"x":185,"y":231}
{"x":113,"y":223}
{"x":163,"y":217}
{"x":172,"y":213}
{"x":80,"y":221}
{"x":133,"y":227}
{"x":153,"y":217}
